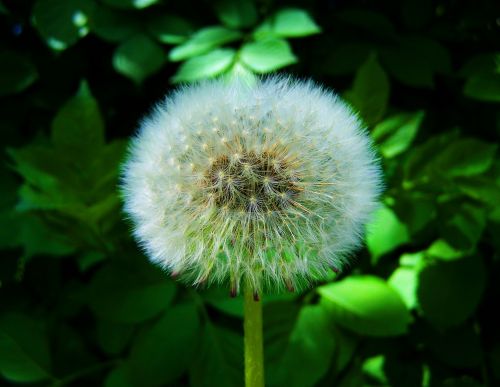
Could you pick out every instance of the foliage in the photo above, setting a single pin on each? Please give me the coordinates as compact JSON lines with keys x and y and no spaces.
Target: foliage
{"x":81,"y":305}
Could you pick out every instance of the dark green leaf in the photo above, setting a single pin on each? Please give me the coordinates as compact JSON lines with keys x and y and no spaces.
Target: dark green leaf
{"x":170,"y":29}
{"x":125,"y":293}
{"x":138,"y":57}
{"x":219,"y":360}
{"x":18,"y":73}
{"x":203,"y":41}
{"x":205,"y":66}
{"x":130,"y":4}
{"x":236,"y":13}
{"x":24,"y":350}
{"x":449,"y":292}
{"x":62,"y":22}
{"x":366,"y":305}
{"x":370,"y":91}
{"x":163,"y":352}
{"x":114,"y":25}
{"x":267,"y":55}
{"x":484,"y":87}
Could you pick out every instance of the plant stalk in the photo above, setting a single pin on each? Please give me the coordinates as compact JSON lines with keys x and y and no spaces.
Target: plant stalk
{"x":254,"y":346}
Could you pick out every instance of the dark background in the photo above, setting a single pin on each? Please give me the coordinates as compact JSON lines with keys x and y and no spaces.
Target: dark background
{"x":79,"y":303}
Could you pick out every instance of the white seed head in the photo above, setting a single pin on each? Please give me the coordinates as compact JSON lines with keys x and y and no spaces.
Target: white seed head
{"x":275,"y":195}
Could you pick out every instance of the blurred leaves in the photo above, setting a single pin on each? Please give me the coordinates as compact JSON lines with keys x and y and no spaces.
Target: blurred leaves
{"x":18,"y":73}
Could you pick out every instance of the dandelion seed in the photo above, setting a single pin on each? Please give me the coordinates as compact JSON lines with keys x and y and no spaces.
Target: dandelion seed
{"x":276,"y":194}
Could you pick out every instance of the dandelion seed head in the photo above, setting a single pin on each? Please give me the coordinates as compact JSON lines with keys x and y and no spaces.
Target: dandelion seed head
{"x":270,"y":183}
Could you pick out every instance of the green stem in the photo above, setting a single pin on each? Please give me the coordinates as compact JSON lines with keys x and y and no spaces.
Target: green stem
{"x":254,"y":347}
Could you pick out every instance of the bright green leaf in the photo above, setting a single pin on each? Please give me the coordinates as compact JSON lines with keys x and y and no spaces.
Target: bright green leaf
{"x":205,"y":66}
{"x":62,"y":22}
{"x":449,"y":292}
{"x":18,"y":73}
{"x":373,"y":367}
{"x":396,"y":133}
{"x":138,"y":58}
{"x":366,"y":305}
{"x":405,"y":280}
{"x":370,"y":91}
{"x":164,"y":352}
{"x":265,"y":56}
{"x":385,"y":233}
{"x":236,"y":13}
{"x":24,"y":350}
{"x":293,"y":23}
{"x":442,"y":250}
{"x":170,"y":29}
{"x":125,"y":293}
{"x":203,"y":41}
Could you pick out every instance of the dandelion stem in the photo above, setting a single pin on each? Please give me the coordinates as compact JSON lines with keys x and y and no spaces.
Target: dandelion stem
{"x":254,"y":347}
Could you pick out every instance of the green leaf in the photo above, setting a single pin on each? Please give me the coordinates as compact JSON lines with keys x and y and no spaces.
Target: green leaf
{"x":366,"y":305}
{"x":290,"y":23}
{"x":416,"y":60}
{"x":138,"y":57}
{"x":78,"y":127}
{"x":163,"y":352}
{"x":170,"y":29}
{"x":125,"y":293}
{"x":205,"y":66}
{"x":370,"y":91}
{"x":405,"y":281}
{"x":396,"y":133}
{"x":267,"y":55}
{"x":440,"y":249}
{"x":114,"y":25}
{"x":18,"y":73}
{"x":203,"y":41}
{"x":310,"y":347}
{"x":236,"y":13}
{"x":484,"y":87}
{"x":345,"y":58}
{"x":465,"y":157}
{"x":62,"y":22}
{"x":373,"y":367}
{"x":219,"y":359}
{"x":112,"y":337}
{"x":463,"y":225}
{"x":130,"y":4}
{"x":449,"y":292}
{"x":384,"y":233}
{"x":24,"y":350}
{"x":119,"y":377}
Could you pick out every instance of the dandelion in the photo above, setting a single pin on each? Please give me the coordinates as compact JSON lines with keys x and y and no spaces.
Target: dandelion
{"x":270,"y":184}
{"x":266,"y":185}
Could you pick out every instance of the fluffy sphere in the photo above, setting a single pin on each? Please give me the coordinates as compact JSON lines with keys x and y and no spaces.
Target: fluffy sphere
{"x":268,"y":184}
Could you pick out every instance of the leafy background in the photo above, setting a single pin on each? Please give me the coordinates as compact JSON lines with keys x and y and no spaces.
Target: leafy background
{"x":79,"y":303}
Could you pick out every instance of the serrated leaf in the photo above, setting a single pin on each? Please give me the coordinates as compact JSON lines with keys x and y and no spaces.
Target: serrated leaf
{"x":162,"y":353}
{"x":18,"y":73}
{"x":219,"y":359}
{"x":449,"y":292}
{"x":62,"y":22}
{"x":236,"y":14}
{"x":24,"y":350}
{"x":78,"y":127}
{"x":130,"y":4}
{"x":170,"y":29}
{"x":138,"y":57}
{"x":125,"y":293}
{"x":370,"y":91}
{"x":366,"y":305}
{"x":396,"y":133}
{"x":310,"y":346}
{"x":205,"y":66}
{"x":265,"y":56}
{"x":384,"y":233}
{"x":203,"y":41}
